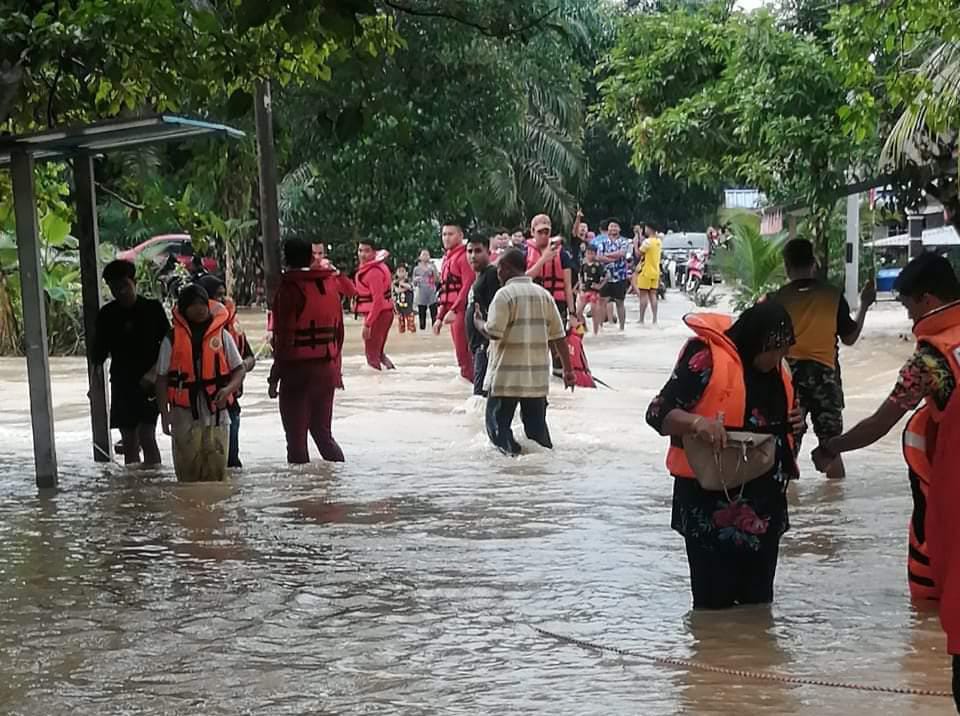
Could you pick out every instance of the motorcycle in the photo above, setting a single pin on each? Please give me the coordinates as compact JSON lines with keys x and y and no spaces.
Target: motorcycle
{"x":694,"y":273}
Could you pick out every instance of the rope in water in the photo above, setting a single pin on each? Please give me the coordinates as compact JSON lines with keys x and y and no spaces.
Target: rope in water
{"x":742,"y":673}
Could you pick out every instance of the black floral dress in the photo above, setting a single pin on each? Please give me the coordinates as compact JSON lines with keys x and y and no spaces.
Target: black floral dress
{"x":755,"y":515}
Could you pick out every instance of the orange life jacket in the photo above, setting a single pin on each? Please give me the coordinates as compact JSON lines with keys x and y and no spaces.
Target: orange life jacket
{"x":318,"y":331}
{"x":915,"y":442}
{"x":551,"y":274}
{"x":726,"y":393}
{"x":233,"y":326}
{"x":365,"y":292}
{"x":941,"y":330}
{"x":578,"y":361}
{"x":451,"y":280}
{"x":185,"y":388}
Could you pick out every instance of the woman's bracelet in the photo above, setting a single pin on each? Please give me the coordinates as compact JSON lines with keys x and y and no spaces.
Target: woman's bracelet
{"x":695,"y":424}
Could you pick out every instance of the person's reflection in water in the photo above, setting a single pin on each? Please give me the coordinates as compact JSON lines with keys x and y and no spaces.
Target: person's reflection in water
{"x":205,"y":524}
{"x":742,"y":638}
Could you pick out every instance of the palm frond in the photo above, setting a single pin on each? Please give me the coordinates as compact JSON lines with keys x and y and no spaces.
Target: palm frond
{"x":914,"y":131}
{"x":753,"y":263}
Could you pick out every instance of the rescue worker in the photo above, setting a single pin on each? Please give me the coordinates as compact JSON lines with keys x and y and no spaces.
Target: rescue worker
{"x":308,"y":340}
{"x":928,"y":288}
{"x":549,"y":265}
{"x":374,"y":283}
{"x":456,"y":278}
{"x":199,"y":371}
{"x":218,"y":292}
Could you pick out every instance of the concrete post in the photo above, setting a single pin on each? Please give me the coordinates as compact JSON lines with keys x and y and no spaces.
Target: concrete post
{"x":34,"y":319}
{"x":269,"y":210}
{"x":852,"y":258}
{"x":916,"y":223}
{"x":88,"y":234}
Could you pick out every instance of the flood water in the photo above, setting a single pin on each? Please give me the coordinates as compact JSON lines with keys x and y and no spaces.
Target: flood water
{"x":402,"y":581}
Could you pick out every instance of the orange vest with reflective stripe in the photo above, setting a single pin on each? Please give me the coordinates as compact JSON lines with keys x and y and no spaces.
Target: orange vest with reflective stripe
{"x":551,"y":274}
{"x":726,"y":392}
{"x":233,"y":325}
{"x":184,"y":386}
{"x":941,"y":330}
{"x":918,"y":435}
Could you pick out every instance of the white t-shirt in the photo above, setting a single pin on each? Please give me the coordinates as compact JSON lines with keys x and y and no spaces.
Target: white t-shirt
{"x":234,"y":361}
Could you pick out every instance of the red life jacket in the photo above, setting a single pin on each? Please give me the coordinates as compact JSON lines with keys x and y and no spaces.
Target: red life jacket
{"x":726,"y":392}
{"x":578,"y":359}
{"x":551,"y":274}
{"x":919,"y":433}
{"x":184,"y":387}
{"x":319,"y":327}
{"x":365,"y":292}
{"x":941,"y":330}
{"x":451,"y":279}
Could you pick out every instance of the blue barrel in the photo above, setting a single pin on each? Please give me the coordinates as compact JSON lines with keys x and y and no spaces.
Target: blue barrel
{"x":886,"y":277}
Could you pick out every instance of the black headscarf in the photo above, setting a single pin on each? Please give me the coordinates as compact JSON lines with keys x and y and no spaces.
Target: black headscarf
{"x":761,"y":328}
{"x":190,"y":294}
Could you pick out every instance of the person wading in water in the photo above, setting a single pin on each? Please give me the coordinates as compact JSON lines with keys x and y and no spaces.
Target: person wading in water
{"x":928,"y":288}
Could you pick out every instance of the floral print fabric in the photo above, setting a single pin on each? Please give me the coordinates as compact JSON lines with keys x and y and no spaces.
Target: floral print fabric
{"x":750,"y":516}
{"x":926,"y":374}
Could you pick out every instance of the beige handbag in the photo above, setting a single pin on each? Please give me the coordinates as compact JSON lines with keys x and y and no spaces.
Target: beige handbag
{"x":746,"y":457}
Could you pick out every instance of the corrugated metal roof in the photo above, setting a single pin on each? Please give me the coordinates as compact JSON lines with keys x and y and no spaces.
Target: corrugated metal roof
{"x":941,"y":236}
{"x":109,"y":135}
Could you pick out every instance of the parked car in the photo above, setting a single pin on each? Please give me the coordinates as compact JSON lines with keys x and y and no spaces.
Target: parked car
{"x":160,"y":248}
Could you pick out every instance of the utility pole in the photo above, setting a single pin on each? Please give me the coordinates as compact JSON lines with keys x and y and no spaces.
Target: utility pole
{"x":852,"y":259}
{"x":269,"y":209}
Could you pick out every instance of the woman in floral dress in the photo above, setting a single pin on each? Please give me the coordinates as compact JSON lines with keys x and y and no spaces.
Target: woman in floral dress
{"x":732,"y":539}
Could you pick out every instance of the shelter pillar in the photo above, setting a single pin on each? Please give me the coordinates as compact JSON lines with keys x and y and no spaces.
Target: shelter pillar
{"x":34,"y":319}
{"x":88,"y":234}
{"x":269,"y":210}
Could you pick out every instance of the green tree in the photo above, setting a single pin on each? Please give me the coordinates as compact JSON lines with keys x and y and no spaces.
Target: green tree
{"x":752,"y":263}
{"x":724,"y":98}
{"x":901,"y":67}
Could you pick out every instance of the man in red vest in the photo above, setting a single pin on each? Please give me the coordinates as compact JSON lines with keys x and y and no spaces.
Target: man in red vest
{"x":374,"y":283}
{"x":549,"y":265}
{"x":456,"y":278}
{"x":307,"y":341}
{"x":929,"y":290}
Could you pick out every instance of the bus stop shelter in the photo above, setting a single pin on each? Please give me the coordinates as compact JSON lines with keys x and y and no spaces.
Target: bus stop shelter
{"x":78,"y":146}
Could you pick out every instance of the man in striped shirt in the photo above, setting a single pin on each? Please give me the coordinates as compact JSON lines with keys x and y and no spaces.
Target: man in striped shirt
{"x":523,"y":325}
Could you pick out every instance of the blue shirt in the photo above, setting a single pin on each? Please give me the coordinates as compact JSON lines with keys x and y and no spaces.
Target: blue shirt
{"x":616,"y":271}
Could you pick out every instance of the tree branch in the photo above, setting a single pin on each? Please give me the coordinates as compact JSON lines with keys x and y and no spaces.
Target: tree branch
{"x":130,"y":204}
{"x":482,"y":29}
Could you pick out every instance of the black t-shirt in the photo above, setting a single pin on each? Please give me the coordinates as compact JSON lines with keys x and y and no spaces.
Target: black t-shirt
{"x":481,"y":294}
{"x":591,"y":275}
{"x":130,"y":337}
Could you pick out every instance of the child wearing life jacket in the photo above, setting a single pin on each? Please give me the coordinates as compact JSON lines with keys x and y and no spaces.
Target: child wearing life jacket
{"x":217,"y":291}
{"x":403,"y":300}
{"x":578,"y":357}
{"x":199,"y":372}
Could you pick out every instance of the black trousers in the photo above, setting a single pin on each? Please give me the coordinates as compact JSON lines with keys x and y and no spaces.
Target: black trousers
{"x":956,"y":682}
{"x":533,"y":411}
{"x":422,"y":310}
{"x":720,"y":579}
{"x":480,"y":360}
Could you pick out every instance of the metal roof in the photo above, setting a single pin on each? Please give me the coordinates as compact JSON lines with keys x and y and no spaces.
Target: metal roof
{"x":941,"y":236}
{"x":109,"y":135}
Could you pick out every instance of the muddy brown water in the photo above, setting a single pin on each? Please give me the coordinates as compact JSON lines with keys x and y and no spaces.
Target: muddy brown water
{"x":399,"y":582}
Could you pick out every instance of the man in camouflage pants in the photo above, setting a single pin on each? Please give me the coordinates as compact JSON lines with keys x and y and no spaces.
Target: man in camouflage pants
{"x":821,"y":316}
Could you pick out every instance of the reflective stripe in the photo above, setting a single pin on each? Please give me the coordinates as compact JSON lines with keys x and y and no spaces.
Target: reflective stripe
{"x":915,"y":440}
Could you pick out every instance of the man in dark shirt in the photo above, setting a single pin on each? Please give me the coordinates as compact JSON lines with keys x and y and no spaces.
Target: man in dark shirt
{"x":820,"y":316}
{"x":478,"y":303}
{"x":129,"y":331}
